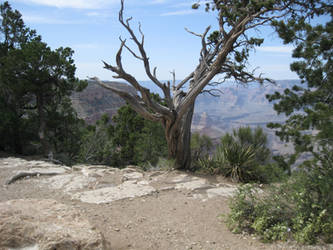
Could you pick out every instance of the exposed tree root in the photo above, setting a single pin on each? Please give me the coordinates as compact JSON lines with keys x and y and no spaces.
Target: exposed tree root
{"x":21,"y":175}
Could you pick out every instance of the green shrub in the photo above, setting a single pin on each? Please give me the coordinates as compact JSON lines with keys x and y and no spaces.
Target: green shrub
{"x":244,"y":157}
{"x":201,"y":145}
{"x":207,"y":164}
{"x":238,"y":161}
{"x":300,"y":208}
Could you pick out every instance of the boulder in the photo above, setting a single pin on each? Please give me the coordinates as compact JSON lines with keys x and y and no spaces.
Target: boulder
{"x":45,"y":225}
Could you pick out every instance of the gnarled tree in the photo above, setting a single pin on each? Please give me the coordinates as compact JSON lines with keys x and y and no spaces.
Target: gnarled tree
{"x":224,"y":52}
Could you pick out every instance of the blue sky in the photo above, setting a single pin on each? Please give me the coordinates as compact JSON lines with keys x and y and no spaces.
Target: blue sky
{"x":91,"y":28}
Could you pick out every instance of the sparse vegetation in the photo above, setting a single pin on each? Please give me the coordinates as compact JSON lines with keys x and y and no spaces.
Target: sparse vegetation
{"x":301,"y":208}
{"x":243,"y":156}
{"x":129,"y":139}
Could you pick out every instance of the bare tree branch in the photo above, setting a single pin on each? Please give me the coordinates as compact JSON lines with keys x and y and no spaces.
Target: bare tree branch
{"x":130,"y":50}
{"x":133,"y":101}
{"x":186,"y":79}
{"x":234,"y":20}
{"x":211,"y":92}
{"x":139,"y":45}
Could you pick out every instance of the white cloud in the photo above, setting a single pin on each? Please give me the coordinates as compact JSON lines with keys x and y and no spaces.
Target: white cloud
{"x":179,"y":13}
{"x":276,"y":49}
{"x":76,"y":4}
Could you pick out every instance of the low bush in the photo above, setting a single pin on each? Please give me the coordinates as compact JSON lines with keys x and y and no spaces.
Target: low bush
{"x":243,"y":156}
{"x":301,"y":208}
{"x":201,"y":146}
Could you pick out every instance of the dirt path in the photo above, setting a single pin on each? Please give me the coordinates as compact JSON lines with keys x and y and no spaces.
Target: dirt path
{"x":139,"y":210}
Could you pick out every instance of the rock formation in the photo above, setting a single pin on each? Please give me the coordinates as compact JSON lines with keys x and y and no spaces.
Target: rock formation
{"x":45,"y":225}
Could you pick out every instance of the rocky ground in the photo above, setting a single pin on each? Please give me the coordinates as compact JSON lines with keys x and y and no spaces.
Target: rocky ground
{"x":124,"y":208}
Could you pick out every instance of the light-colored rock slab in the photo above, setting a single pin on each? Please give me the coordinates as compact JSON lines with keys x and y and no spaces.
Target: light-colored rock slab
{"x":133,"y":175}
{"x":155,"y":173}
{"x":221,"y":191}
{"x":180,"y":178}
{"x":192,"y":185}
{"x":49,"y":170}
{"x":128,"y":189}
{"x":34,"y":247}
{"x":12,"y":162}
{"x":70,"y":182}
{"x":45,"y":224}
{"x":129,"y":169}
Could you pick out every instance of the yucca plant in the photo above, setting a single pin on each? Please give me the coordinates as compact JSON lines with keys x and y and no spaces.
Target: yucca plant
{"x":238,"y":160}
{"x":244,"y":156}
{"x":208,"y":164}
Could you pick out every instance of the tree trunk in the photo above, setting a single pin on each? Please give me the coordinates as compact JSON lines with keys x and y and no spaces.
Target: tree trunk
{"x":18,"y":149}
{"x":179,"y":141}
{"x":42,"y":125}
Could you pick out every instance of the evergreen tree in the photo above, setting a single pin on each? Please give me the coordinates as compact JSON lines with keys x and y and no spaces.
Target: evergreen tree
{"x":138,"y":140}
{"x":97,"y":144}
{"x":128,"y":139}
{"x":309,"y":106}
{"x":35,"y":84}
{"x":13,"y":96}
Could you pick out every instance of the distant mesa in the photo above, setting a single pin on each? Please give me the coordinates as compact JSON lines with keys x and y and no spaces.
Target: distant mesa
{"x":94,"y":101}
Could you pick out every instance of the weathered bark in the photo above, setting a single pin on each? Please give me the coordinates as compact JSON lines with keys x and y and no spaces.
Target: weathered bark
{"x":178,"y":137}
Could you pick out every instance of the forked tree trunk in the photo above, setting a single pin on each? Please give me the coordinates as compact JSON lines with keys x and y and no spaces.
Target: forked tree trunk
{"x":215,"y":58}
{"x":179,"y":141}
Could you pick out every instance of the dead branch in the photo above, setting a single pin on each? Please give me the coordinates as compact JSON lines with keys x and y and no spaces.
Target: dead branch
{"x":183,"y":82}
{"x":21,"y":175}
{"x":139,"y":45}
{"x":135,"y":101}
{"x":211,"y":92}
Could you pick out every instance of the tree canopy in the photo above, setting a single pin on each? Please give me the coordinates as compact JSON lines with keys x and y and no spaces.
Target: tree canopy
{"x":35,"y":85}
{"x":308,"y":106}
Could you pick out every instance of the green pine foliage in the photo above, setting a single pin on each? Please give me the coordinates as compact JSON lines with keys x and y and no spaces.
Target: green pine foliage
{"x":128,"y":140}
{"x":300,"y":208}
{"x":309,"y":106}
{"x":35,"y":84}
{"x":138,"y":140}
